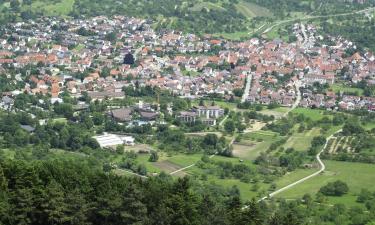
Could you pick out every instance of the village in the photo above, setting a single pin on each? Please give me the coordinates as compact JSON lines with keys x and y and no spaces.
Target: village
{"x":100,"y":57}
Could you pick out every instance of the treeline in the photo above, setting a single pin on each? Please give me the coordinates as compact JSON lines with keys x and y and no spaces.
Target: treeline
{"x":19,"y":130}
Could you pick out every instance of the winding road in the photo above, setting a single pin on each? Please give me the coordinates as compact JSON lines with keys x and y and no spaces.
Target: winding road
{"x":321,"y":165}
{"x":309,"y":17}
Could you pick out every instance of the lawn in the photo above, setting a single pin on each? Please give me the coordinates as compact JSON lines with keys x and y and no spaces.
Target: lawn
{"x":341,"y":87}
{"x":369,"y":126}
{"x":184,"y":160}
{"x":294,"y":176}
{"x":222,"y":104}
{"x":276,"y":112}
{"x":356,"y":175}
{"x":313,"y":114}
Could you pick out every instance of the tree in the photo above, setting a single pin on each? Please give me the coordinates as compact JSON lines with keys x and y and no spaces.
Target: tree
{"x":21,"y":138}
{"x":120,"y":149}
{"x":129,"y":59}
{"x":238,"y":92}
{"x":64,"y":109}
{"x":337,"y":188}
{"x":229,"y":126}
{"x":54,"y":206}
{"x":111,"y":36}
{"x":15,"y":5}
{"x":97,"y":118}
{"x":154,"y":157}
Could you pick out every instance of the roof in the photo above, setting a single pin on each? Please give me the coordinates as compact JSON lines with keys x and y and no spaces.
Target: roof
{"x":108,"y":140}
{"x":123,"y":114}
{"x":28,"y":128}
{"x":148,"y":115}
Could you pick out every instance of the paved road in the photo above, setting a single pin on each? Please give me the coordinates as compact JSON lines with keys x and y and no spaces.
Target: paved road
{"x":252,"y":32}
{"x":316,"y":17}
{"x":305,"y":38}
{"x":135,"y":174}
{"x":321,"y":165}
{"x":247,"y":87}
{"x":297,"y":85}
{"x":222,"y":122}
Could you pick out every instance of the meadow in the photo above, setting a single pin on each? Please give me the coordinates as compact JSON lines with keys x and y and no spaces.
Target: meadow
{"x":356,"y":175}
{"x":301,"y":141}
{"x":252,"y":144}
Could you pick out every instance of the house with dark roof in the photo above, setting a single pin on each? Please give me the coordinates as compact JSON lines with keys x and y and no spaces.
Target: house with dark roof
{"x":121,"y":115}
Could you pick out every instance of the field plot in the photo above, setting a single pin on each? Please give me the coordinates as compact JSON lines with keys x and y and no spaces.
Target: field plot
{"x":167,"y":166}
{"x":302,"y":141}
{"x":62,"y":7}
{"x":251,"y":10}
{"x":252,"y":144}
{"x":313,"y":114}
{"x":340,"y":145}
{"x":277,"y":112}
{"x":343,"y":88}
{"x":356,"y":175}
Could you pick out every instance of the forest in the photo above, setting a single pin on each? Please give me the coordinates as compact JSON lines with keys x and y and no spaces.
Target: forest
{"x":72,"y":192}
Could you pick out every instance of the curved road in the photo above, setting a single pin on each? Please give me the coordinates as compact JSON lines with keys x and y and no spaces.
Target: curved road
{"x":321,"y":165}
{"x":316,"y":17}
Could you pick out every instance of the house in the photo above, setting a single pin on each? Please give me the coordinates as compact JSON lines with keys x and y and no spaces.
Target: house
{"x":187,"y":116}
{"x":112,"y":140}
{"x":100,"y":95}
{"x":148,"y":115}
{"x":209,"y":111}
{"x":28,"y":128}
{"x":6,"y":102}
{"x":121,"y":115}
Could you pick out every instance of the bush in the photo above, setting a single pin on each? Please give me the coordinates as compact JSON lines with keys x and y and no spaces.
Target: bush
{"x":337,"y":188}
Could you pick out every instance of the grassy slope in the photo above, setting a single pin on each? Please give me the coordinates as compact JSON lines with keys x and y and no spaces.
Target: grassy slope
{"x":356,"y":175}
{"x":261,"y":140}
{"x":313,"y":114}
{"x":62,"y":8}
{"x":302,"y":141}
{"x":251,"y":10}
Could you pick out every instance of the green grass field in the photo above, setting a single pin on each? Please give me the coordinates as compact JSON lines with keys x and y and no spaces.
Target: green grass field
{"x":50,"y":8}
{"x":251,"y":10}
{"x":341,"y":87}
{"x":252,"y":144}
{"x":302,"y":141}
{"x":313,"y":114}
{"x":276,"y":112}
{"x":356,"y":175}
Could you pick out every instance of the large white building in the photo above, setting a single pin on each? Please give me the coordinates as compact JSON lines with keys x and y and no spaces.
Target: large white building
{"x":112,"y":140}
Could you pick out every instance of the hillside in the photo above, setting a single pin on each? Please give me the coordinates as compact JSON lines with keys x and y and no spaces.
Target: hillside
{"x":199,"y":16}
